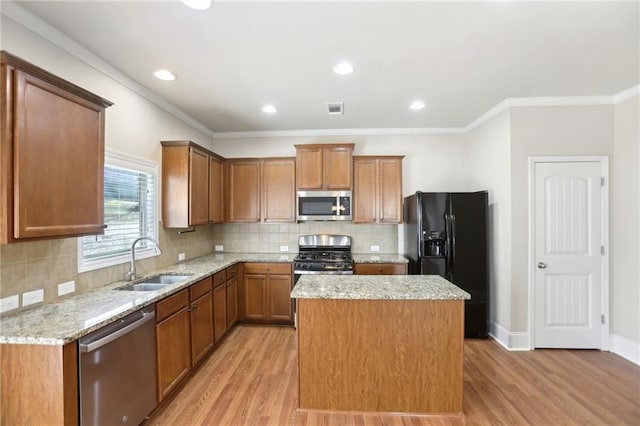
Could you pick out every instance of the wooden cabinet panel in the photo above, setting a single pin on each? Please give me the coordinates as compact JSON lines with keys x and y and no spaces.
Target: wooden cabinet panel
{"x":51,"y":156}
{"x":324,"y":166}
{"x":172,"y":304}
{"x":255,"y":296}
{"x":201,"y":327}
{"x":198,"y":187}
{"x":380,"y":268}
{"x":279,"y":192}
{"x":337,"y":167}
{"x":244,"y":191}
{"x":280,"y":304}
{"x":216,"y":190}
{"x":220,"y":311}
{"x":390,"y":190}
{"x":232,"y":301}
{"x":267,"y":268}
{"x":173,"y":343}
{"x":377,"y":194}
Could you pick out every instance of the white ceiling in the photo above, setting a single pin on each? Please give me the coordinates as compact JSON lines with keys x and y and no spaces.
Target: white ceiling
{"x":460,"y":58}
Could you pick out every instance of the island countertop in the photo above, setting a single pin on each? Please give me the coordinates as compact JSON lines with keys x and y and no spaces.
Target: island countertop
{"x":377,"y":287}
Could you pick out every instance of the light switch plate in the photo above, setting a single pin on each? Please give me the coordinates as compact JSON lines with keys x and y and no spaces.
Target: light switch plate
{"x":219,"y":247}
{"x":9,"y":303}
{"x":375,"y":248}
{"x":284,"y":248}
{"x":66,"y":288}
{"x":181,"y":257}
{"x":31,"y":297}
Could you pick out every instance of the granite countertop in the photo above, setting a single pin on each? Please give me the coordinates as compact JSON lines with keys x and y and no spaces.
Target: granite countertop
{"x":68,"y":319}
{"x":377,"y":287}
{"x":378,"y":258}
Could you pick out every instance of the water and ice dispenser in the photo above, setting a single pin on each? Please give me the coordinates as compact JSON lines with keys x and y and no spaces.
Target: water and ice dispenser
{"x":434,"y":243}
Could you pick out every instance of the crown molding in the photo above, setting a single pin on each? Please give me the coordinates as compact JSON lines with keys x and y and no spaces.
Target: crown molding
{"x":28,"y":20}
{"x":25,"y":18}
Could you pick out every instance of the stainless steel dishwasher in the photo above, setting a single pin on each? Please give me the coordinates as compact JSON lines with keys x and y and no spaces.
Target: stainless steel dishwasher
{"x":117,"y":371}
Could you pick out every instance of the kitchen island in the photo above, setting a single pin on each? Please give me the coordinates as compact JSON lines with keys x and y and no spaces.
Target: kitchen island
{"x":380,"y":343}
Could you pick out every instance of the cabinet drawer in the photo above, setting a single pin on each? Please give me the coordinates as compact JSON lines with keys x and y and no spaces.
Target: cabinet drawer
{"x":219,"y":278}
{"x":380,"y":268}
{"x":200,"y":288}
{"x":172,"y":304}
{"x":232,"y":271}
{"x":267,"y":268}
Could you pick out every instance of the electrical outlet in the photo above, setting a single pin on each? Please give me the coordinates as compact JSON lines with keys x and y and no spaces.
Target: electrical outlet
{"x":284,"y":248}
{"x":181,"y":257}
{"x":219,"y":248}
{"x":9,"y":303}
{"x":31,"y":297}
{"x":66,"y":288}
{"x":375,"y":248}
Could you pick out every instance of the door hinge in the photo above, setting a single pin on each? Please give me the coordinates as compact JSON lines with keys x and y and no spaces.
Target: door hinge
{"x":602,"y":250}
{"x":602,"y":181}
{"x":602,"y":318}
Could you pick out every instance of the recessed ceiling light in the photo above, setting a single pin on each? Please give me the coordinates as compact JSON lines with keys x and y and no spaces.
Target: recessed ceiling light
{"x":269,"y":109}
{"x":343,"y":68}
{"x":164,"y":75}
{"x":198,"y":4}
{"x":417,"y":105}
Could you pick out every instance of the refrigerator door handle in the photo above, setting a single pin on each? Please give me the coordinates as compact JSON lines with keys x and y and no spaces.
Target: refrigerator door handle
{"x":448,"y":248}
{"x":452,"y":219}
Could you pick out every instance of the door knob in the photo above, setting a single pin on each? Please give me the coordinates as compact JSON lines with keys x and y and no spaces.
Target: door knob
{"x":542,"y":265}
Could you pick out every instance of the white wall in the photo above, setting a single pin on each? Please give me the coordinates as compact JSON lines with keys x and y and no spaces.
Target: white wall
{"x":489,"y":149}
{"x":540,"y":131}
{"x":625,"y":222}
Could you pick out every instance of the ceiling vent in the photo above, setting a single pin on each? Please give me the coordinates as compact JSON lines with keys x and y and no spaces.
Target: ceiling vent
{"x":335,"y":108}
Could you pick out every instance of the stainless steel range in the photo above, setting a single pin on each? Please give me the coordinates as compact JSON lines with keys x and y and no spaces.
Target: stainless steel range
{"x":323,"y":254}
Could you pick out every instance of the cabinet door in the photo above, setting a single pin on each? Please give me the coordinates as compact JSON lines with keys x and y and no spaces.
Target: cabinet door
{"x":201,"y":327}
{"x":278,"y":190}
{"x":337,"y":167}
{"x":58,"y":175}
{"x":255,"y":296}
{"x":244,"y":191}
{"x":173,"y":351}
{"x":280,"y":304}
{"x":198,"y":187}
{"x":216,"y":190}
{"x":220,"y":311}
{"x":232,"y":301}
{"x":390,"y":187}
{"x":309,"y":167}
{"x":365,"y":190}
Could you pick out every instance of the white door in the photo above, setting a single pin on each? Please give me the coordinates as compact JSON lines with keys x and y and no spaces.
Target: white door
{"x":568,"y":240}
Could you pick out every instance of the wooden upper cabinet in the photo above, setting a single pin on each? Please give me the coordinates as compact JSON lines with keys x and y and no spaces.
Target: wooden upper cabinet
{"x":377,"y":189}
{"x":261,"y":190}
{"x":279,"y":192}
{"x":192,"y":185}
{"x":216,"y":190}
{"x":244,"y":190}
{"x":325,"y":166}
{"x":51,"y":155}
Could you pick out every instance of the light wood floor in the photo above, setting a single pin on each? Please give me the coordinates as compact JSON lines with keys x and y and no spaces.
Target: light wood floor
{"x":251,"y":379}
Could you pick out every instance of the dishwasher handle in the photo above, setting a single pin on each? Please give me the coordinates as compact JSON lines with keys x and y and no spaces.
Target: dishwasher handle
{"x":92,"y":346}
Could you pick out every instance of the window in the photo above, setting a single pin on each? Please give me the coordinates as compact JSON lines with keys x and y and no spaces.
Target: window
{"x":129,"y":213}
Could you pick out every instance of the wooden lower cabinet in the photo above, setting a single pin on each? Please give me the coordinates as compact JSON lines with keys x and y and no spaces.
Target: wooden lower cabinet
{"x":266,"y":291}
{"x":220,"y":311}
{"x":184,"y":333}
{"x":232,"y":296}
{"x":225,"y":301}
{"x":380,"y":269}
{"x":173,"y":341}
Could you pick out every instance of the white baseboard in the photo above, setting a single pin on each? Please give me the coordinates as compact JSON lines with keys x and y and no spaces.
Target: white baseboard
{"x":518,"y":341}
{"x":625,"y":348}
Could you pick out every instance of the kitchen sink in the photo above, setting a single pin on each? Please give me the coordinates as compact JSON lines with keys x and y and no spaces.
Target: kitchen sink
{"x":154,"y":283}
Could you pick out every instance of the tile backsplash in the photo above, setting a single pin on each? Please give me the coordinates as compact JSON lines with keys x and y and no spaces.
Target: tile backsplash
{"x":30,"y":266}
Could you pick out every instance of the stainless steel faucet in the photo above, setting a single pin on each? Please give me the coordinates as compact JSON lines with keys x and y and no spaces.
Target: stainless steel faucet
{"x":131,"y":275}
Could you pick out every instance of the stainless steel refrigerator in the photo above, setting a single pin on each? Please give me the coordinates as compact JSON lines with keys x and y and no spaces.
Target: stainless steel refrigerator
{"x":446,"y":234}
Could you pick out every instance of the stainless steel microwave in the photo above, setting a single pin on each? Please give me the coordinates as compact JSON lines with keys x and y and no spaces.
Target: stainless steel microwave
{"x":323,"y":205}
